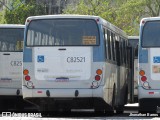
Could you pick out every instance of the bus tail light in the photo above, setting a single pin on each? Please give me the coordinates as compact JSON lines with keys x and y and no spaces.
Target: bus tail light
{"x":142,"y":72}
{"x":97,"y":77}
{"x":143,"y":78}
{"x":28,"y":20}
{"x":27,"y":78}
{"x":99,"y":71}
{"x":25,"y":72}
{"x":143,"y":22}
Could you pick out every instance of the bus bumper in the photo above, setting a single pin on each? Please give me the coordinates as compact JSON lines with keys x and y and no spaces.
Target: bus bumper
{"x":143,"y":93}
{"x":86,"y":98}
{"x":62,"y":93}
{"x":10,"y":92}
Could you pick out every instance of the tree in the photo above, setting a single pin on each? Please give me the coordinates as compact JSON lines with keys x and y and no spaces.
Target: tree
{"x":91,"y":7}
{"x":21,"y":12}
{"x":131,"y":12}
{"x":112,"y":11}
{"x":126,"y":14}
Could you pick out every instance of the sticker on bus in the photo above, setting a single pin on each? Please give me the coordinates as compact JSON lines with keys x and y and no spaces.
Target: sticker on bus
{"x":89,"y":40}
{"x":40,"y":58}
{"x":156,"y":59}
{"x":156,"y":68}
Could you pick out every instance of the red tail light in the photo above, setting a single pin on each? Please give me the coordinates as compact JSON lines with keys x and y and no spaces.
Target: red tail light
{"x":97,"y":77}
{"x":27,"y":78}
{"x":143,"y":78}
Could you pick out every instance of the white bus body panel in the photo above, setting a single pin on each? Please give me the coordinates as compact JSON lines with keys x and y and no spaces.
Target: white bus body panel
{"x":67,"y":89}
{"x":11,"y":70}
{"x":155,"y":64}
{"x":56,"y":72}
{"x":73,"y":63}
{"x":152,"y":72}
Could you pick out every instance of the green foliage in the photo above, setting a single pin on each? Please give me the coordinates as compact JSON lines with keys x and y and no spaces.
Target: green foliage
{"x":2,"y":19}
{"x":126,"y":14}
{"x":19,"y":14}
{"x":129,"y":15}
{"x":117,"y":12}
{"x":91,"y":7}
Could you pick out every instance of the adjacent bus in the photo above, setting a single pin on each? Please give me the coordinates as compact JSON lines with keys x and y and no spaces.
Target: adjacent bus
{"x":74,"y":62}
{"x":133,"y":45}
{"x":11,"y":51}
{"x":149,"y":65}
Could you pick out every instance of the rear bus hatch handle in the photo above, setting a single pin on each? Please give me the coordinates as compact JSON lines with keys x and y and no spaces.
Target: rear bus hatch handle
{"x":62,"y":49}
{"x":6,"y":53}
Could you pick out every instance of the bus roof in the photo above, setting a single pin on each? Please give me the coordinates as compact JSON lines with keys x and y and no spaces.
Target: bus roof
{"x":11,"y":26}
{"x":101,"y":20}
{"x":143,"y":20}
{"x":151,"y":18}
{"x":133,"y":37}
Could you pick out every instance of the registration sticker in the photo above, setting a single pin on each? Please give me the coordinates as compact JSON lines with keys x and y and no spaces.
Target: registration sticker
{"x":156,"y":68}
{"x":89,"y":40}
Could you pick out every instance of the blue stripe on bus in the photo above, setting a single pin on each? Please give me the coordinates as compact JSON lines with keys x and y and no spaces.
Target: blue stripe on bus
{"x":98,"y":51}
{"x":27,"y":56}
{"x":98,"y":55}
{"x":143,"y":56}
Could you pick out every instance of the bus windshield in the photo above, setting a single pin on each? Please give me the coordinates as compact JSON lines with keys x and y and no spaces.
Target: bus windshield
{"x":151,"y":34}
{"x":62,"y":32}
{"x":11,"y":39}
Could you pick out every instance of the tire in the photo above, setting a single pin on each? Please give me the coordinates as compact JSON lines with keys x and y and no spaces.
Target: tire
{"x":144,"y":107}
{"x":111,"y":112}
{"x":120,"y":110}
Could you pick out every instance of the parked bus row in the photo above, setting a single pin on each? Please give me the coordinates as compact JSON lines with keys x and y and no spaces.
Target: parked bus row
{"x":77,"y":62}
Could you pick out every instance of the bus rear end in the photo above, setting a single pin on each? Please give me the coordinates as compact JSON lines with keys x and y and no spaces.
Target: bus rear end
{"x":62,"y":61}
{"x":11,"y":48}
{"x":149,"y":65}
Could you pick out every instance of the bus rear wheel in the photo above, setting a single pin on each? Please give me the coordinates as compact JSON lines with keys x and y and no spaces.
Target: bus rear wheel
{"x":145,"y":107}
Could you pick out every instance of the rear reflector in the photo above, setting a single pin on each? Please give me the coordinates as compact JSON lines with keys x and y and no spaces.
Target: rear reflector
{"x":39,"y":91}
{"x":151,"y":92}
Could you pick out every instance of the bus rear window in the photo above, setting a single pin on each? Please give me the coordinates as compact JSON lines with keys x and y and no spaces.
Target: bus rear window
{"x":151,"y":34}
{"x":63,"y":32}
{"x":11,"y":39}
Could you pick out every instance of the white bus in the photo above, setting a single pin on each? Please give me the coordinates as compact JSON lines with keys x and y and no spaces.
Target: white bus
{"x":133,"y":44}
{"x":11,"y":51}
{"x":74,"y":62}
{"x":149,"y":65}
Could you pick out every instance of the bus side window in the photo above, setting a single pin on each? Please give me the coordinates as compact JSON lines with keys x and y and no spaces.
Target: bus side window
{"x":126,"y":44}
{"x":112,"y":45}
{"x":120,"y":51}
{"x":117,"y":52}
{"x":136,"y":52}
{"x":124,"y":51}
{"x":109,"y":44}
{"x":115,"y":46}
{"x":105,"y":41}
